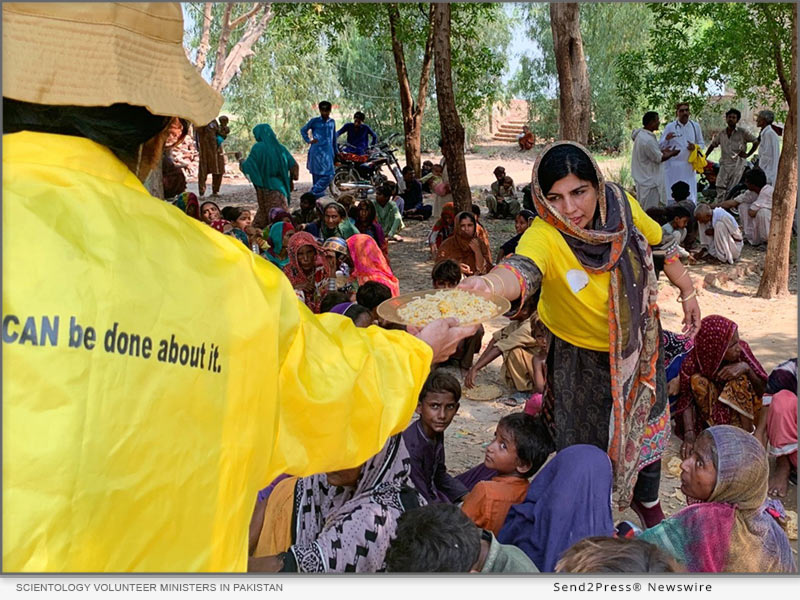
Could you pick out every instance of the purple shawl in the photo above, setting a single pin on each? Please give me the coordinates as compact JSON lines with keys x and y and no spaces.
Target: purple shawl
{"x":568,"y":500}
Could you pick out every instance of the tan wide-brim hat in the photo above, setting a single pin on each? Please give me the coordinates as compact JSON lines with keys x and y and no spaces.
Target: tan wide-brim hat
{"x":98,"y":54}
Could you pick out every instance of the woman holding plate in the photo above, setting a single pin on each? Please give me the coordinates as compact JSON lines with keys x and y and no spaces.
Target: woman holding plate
{"x":589,"y":252}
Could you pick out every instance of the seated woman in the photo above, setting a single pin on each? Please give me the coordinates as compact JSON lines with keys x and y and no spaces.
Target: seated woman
{"x":442,"y":229}
{"x":278,"y":214}
{"x":721,"y":382}
{"x":466,"y":248}
{"x":340,"y":522}
{"x":729,"y":529}
{"x":369,"y":263}
{"x":568,"y":500}
{"x":211,"y":215}
{"x":777,"y":430}
{"x":526,"y":138}
{"x":307,"y":270}
{"x":278,"y":252}
{"x":240,"y":219}
{"x":366,"y":222}
{"x":521,"y":223}
{"x":335,"y":223}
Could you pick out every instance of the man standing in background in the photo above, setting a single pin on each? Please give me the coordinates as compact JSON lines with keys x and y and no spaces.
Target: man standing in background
{"x":646,"y":163}
{"x":322,"y":148}
{"x":769,"y":146}
{"x":732,"y":142}
{"x":684,"y":135}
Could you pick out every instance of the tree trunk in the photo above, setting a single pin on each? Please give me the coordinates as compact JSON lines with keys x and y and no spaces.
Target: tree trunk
{"x":202,"y":49}
{"x":452,"y":130}
{"x":412,"y":114}
{"x":575,"y":100}
{"x":775,"y":278}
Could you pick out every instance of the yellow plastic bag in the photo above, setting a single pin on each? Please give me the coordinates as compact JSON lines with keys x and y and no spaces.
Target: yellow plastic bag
{"x":697,"y":160}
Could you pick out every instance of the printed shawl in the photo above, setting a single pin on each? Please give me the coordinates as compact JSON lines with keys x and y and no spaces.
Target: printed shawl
{"x":296,"y":275}
{"x":276,"y":233}
{"x":612,"y":244}
{"x":344,"y":529}
{"x":705,"y":358}
{"x":732,"y":531}
{"x":369,"y":263}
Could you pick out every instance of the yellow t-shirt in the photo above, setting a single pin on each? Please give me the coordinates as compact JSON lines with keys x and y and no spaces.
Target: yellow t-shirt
{"x":574,"y":302}
{"x":158,"y":374}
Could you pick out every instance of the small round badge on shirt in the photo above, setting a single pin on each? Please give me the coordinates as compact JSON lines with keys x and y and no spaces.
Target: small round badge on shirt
{"x":577,"y":279}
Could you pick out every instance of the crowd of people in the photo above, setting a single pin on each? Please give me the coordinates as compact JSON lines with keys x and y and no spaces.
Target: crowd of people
{"x":734,"y":204}
{"x":600,"y":385}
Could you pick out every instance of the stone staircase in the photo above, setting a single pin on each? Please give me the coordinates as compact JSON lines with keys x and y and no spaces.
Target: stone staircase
{"x":509,"y":130}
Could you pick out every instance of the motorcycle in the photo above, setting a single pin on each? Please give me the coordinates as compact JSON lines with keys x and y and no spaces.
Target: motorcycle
{"x":361,"y":170}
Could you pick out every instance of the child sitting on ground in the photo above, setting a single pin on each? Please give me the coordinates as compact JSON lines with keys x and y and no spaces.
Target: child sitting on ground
{"x":439,"y":538}
{"x":446,"y":274}
{"x":517,"y":345}
{"x":240,"y":219}
{"x":676,"y":227}
{"x":521,"y":446}
{"x":307,"y":213}
{"x":360,"y":315}
{"x":424,"y":439}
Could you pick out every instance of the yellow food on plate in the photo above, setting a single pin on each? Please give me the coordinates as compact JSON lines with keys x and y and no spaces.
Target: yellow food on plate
{"x":464,"y":306}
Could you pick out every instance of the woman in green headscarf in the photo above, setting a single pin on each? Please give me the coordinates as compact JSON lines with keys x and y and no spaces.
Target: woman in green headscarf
{"x":271,"y":169}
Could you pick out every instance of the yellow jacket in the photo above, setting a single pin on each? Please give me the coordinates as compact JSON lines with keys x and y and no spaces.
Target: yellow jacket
{"x":141,"y":446}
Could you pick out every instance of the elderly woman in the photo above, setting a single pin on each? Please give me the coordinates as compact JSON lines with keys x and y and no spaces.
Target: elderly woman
{"x":335,"y":522}
{"x":728,"y":529}
{"x":721,"y":382}
{"x":307,"y":270}
{"x":465,"y":247}
{"x":196,"y":439}
{"x":589,"y":252}
{"x":270,"y":168}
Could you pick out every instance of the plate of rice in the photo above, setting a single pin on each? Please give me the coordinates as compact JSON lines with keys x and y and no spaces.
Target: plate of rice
{"x":420,"y":308}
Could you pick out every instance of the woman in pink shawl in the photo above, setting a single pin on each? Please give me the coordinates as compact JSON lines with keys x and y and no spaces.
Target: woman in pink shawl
{"x":721,"y":382}
{"x":369,"y":263}
{"x":307,"y":270}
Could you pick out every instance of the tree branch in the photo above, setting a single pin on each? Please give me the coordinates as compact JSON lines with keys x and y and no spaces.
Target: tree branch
{"x":787,"y":90}
{"x":243,"y":48}
{"x":425,"y":76}
{"x":202,"y":49}
{"x":236,"y":22}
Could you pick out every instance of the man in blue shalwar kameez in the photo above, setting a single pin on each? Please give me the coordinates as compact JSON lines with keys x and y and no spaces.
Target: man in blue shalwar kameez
{"x":359,"y":135}
{"x":322,"y":148}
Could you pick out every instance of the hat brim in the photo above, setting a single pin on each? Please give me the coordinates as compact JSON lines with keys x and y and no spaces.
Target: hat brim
{"x":59,"y":62}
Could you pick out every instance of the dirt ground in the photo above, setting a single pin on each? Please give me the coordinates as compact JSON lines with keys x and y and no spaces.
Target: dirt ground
{"x":769,"y":326}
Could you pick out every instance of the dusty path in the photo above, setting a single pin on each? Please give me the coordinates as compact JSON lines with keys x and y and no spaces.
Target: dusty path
{"x":769,"y":326}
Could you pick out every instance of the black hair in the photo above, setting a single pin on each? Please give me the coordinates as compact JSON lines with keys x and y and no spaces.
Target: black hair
{"x":678,"y":212}
{"x":446,"y":270}
{"x":308,"y":197}
{"x":324,"y":105}
{"x":733,"y":111}
{"x":409,"y":169}
{"x":466,"y":214}
{"x":476,"y":210}
{"x":372,"y":293}
{"x":122,"y":128}
{"x":564,"y":160}
{"x":649,"y":117}
{"x":384,"y":190}
{"x":354,"y":311}
{"x":332,"y":299}
{"x":531,"y":438}
{"x":680,"y":191}
{"x":526,"y":214}
{"x":352,"y":212}
{"x":339,"y":209}
{"x":231,"y":213}
{"x":373,"y":214}
{"x":441,"y":382}
{"x":756,"y":177}
{"x":359,"y":115}
{"x":616,"y":555}
{"x":437,"y":538}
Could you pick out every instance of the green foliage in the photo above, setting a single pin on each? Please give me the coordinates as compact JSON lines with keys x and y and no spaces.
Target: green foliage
{"x":607,"y":29}
{"x":708,"y":46}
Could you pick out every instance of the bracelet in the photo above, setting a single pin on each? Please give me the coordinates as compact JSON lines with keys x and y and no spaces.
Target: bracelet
{"x":500,"y":279}
{"x":685,"y":273}
{"x":689,"y":297}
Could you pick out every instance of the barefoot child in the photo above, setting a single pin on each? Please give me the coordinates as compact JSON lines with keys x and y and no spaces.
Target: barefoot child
{"x":424,"y":439}
{"x":520,"y":447}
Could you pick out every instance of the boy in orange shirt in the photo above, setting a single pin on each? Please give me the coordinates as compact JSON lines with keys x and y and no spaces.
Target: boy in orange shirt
{"x":521,"y":446}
